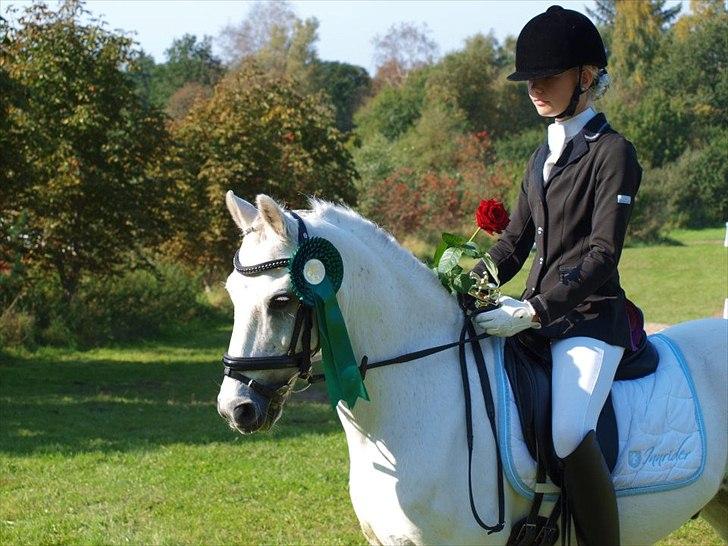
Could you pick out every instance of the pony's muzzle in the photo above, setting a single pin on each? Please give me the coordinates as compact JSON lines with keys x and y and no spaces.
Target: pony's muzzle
{"x":247,"y":417}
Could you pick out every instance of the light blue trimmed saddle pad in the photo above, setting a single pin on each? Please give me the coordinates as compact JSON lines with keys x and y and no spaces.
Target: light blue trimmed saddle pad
{"x":660,"y":429}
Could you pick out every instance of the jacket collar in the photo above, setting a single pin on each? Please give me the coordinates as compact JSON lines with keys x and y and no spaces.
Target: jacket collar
{"x":574,"y":150}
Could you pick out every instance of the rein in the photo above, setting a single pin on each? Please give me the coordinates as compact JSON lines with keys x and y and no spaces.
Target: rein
{"x":303,"y":323}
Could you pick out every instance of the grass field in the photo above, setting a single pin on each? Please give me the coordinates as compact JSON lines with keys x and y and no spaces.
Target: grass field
{"x":123,"y":445}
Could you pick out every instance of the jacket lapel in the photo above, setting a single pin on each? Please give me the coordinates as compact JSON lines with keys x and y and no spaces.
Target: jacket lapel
{"x":537,"y":181}
{"x":578,"y":146}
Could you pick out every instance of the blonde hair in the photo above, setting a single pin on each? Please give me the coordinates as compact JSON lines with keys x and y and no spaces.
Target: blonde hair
{"x":600,"y":81}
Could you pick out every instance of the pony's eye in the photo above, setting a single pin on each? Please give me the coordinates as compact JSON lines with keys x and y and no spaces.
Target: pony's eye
{"x":280,"y":301}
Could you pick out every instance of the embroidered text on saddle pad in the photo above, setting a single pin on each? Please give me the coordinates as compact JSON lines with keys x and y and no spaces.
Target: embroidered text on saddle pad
{"x":661,"y":432}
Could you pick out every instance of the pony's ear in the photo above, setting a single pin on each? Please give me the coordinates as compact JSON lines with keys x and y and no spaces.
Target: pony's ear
{"x":243,"y":213}
{"x":272,"y":214}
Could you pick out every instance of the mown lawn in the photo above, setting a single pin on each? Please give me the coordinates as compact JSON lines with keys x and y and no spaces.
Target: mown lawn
{"x":123,"y":445}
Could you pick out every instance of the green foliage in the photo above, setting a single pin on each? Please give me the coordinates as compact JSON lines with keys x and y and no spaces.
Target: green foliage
{"x":346,"y":85}
{"x":17,"y":328}
{"x":650,"y":217}
{"x":696,"y":71}
{"x":658,"y":125}
{"x":84,"y":146}
{"x":394,"y":109}
{"x":636,"y":39}
{"x":474,"y":78}
{"x":256,"y":134}
{"x":669,"y":95}
{"x":187,"y":61}
{"x":446,"y":262}
{"x":135,"y":305}
{"x":696,"y":186}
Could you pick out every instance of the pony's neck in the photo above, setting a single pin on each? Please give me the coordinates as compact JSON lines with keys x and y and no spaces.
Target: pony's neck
{"x":393,"y":304}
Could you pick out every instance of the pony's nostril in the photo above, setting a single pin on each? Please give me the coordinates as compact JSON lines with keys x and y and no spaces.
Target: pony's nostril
{"x":245,"y":415}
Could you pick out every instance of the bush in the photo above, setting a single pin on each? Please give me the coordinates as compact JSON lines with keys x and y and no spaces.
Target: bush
{"x":135,"y":305}
{"x":16,"y":328}
{"x":697,"y":186}
{"x":650,"y":217}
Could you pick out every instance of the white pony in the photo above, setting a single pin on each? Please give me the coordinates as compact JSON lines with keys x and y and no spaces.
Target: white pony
{"x":407,"y":447}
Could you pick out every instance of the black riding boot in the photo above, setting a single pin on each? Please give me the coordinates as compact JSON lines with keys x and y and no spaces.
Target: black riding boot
{"x":591,"y":495}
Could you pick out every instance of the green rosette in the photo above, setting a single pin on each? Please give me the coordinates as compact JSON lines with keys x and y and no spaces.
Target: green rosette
{"x":316,"y":272}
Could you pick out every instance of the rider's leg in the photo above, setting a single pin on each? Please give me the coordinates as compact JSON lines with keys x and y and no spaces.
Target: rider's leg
{"x":583,"y":371}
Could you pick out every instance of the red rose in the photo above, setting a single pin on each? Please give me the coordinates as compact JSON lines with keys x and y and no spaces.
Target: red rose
{"x":491,"y":216}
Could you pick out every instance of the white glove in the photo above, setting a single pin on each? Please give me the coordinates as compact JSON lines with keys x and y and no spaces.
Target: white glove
{"x":511,"y":317}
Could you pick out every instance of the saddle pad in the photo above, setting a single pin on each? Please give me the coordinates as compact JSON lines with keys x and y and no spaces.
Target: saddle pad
{"x":661,"y":432}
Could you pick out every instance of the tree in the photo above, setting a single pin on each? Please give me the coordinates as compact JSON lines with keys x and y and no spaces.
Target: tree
{"x":247,"y":38}
{"x":605,"y":13}
{"x":394,"y":110}
{"x":696,"y":67}
{"x":687,"y":95}
{"x":402,"y":49}
{"x":189,"y":62}
{"x":346,"y":85}
{"x":257,"y":133}
{"x":636,"y":40}
{"x":84,"y":145}
{"x":292,"y":52}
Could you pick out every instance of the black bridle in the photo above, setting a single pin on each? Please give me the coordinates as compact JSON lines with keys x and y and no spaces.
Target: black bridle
{"x":302,"y":327}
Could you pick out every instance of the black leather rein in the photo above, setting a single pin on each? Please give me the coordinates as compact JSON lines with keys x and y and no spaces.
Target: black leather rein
{"x":303,"y":324}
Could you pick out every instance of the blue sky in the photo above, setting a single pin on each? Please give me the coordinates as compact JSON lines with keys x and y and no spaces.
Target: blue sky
{"x":346,"y":27}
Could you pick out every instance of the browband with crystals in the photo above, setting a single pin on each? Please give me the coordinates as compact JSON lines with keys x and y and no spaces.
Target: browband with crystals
{"x":256,"y":269}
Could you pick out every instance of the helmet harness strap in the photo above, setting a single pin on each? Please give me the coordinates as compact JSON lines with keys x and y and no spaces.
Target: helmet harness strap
{"x":571,"y":108}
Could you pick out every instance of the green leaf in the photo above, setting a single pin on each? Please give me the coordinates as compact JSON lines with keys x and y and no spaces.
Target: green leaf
{"x":438,"y":253}
{"x":453,"y":239}
{"x":449,"y":259}
{"x":491,"y":267}
{"x":462,"y":283}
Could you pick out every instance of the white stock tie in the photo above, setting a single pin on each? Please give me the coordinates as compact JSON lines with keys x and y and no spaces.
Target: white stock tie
{"x":557,"y":143}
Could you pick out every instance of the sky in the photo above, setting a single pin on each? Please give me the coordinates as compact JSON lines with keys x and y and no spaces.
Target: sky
{"x":346,"y":27}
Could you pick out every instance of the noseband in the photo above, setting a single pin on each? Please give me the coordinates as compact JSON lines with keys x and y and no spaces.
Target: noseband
{"x":302,"y":327}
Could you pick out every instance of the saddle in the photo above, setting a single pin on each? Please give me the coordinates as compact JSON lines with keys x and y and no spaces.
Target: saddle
{"x":527,"y":359}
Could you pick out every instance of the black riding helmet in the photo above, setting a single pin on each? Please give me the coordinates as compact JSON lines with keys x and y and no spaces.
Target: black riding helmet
{"x":555,"y":41}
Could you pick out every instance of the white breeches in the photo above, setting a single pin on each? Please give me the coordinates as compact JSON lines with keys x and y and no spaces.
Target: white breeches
{"x":583,"y":371}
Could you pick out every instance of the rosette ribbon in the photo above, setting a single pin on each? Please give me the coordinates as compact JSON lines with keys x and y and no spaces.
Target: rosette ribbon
{"x":316,"y":271}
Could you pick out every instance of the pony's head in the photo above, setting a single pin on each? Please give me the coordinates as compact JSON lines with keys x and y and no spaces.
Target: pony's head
{"x":382,"y":294}
{"x":270,"y":346}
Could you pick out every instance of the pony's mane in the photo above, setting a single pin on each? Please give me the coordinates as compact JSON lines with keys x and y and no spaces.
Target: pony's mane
{"x":364,"y":229}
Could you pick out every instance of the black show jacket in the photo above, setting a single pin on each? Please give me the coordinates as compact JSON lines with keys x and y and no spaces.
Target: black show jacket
{"x":578,"y":220}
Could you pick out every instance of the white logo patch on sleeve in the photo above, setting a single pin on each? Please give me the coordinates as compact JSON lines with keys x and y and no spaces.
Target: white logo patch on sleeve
{"x":625,"y":199}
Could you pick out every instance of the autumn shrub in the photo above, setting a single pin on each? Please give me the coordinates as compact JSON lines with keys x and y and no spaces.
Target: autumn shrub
{"x":17,"y":327}
{"x":258,"y":133}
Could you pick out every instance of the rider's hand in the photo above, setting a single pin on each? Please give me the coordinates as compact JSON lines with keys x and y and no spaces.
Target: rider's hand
{"x":511,"y":317}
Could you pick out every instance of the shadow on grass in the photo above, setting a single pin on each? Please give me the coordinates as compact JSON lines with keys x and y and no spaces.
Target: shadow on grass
{"x":147,"y":395}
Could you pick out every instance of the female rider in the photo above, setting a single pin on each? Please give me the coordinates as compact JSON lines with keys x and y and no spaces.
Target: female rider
{"x":575,"y":202}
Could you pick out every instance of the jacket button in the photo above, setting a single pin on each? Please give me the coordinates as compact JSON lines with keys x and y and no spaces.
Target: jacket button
{"x":540,"y":260}
{"x":533,"y":289}
{"x":539,"y":230}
